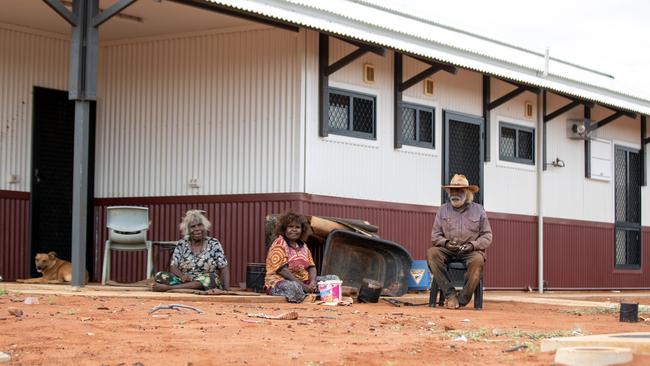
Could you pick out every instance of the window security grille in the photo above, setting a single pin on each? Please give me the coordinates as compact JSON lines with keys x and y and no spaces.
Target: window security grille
{"x":352,"y":114}
{"x":627,"y":202}
{"x":463,"y":153}
{"x":516,"y":143}
{"x":418,"y":125}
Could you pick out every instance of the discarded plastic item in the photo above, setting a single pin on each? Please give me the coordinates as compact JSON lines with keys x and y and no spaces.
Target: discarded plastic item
{"x":399,"y":303}
{"x":4,"y":357}
{"x":291,"y":315}
{"x":31,"y":301}
{"x":253,"y":321}
{"x":369,"y":291}
{"x":593,"y":356}
{"x":330,"y":291}
{"x":176,"y":307}
{"x":465,"y":320}
{"x":461,"y":338}
{"x":515,"y":348}
{"x":629,"y":312}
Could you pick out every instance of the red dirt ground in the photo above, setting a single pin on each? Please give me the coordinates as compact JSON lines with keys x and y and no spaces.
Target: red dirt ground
{"x":81,"y":330}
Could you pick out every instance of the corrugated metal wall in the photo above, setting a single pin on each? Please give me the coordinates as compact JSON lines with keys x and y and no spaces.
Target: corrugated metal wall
{"x":14,"y":233}
{"x":512,"y":257}
{"x":577,"y":254}
{"x":221,"y":108}
{"x":27,"y":59}
{"x":238,"y":222}
{"x":580,"y":254}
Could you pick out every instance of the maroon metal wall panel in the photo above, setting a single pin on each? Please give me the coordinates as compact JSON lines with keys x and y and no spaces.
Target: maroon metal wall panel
{"x":238,"y":222}
{"x":579,"y":254}
{"x":512,"y":256}
{"x":238,"y":225}
{"x":14,"y":235}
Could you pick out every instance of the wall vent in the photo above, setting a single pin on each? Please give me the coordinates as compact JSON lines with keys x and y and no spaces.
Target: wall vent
{"x":369,"y":73}
{"x":528,"y":110}
{"x":428,"y":86}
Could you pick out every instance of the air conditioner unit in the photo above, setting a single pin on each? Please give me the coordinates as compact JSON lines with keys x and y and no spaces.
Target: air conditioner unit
{"x":576,"y":129}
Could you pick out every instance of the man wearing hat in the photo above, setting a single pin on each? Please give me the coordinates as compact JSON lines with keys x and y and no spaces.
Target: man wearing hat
{"x":461,"y":232}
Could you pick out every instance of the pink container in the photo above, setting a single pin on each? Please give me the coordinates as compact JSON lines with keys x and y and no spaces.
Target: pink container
{"x":330,"y":291}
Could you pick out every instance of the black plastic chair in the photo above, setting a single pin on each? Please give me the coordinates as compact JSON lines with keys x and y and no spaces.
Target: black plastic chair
{"x":456,"y":272}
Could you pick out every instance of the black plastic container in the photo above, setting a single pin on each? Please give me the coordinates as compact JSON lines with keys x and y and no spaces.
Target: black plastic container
{"x":369,"y":291}
{"x":255,"y":273}
{"x":629,"y":312}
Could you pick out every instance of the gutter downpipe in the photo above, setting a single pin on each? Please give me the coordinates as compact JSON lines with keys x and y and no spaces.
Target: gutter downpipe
{"x":540,"y":170}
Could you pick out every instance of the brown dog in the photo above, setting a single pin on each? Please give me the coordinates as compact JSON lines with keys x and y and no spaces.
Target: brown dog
{"x":54,"y":270}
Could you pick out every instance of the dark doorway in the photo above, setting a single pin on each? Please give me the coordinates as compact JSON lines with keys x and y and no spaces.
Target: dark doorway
{"x":51,"y":191}
{"x":627,"y":202}
{"x":463,"y":150}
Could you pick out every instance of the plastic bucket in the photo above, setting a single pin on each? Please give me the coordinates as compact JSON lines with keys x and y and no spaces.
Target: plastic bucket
{"x":419,"y":278}
{"x":330,"y":291}
{"x":255,"y":273}
{"x":629,"y":312}
{"x":369,"y":291}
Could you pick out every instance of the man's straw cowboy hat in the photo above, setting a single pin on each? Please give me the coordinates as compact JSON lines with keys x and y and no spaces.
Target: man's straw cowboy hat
{"x":459,"y":181}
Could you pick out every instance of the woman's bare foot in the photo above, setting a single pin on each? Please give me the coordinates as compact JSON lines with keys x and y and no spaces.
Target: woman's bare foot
{"x":159,"y":287}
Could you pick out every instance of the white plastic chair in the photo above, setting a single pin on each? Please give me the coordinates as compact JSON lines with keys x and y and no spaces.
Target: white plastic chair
{"x":127,"y":231}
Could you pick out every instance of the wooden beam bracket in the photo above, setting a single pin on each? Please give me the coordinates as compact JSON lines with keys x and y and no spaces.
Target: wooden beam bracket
{"x":512,"y":94}
{"x":561,"y":110}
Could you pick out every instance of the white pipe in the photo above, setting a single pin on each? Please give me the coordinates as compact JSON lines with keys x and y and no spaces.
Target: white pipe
{"x":540,"y":217}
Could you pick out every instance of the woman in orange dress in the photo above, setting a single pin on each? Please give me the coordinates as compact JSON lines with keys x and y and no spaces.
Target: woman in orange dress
{"x":290,"y":268}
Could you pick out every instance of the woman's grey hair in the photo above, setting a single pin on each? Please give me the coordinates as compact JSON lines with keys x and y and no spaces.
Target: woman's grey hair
{"x":191,"y":215}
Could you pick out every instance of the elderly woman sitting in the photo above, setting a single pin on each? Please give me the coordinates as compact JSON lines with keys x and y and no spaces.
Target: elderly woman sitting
{"x":198,"y":261}
{"x":290,"y":268}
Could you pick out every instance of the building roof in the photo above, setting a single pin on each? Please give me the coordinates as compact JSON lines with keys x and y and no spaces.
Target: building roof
{"x":363,"y":21}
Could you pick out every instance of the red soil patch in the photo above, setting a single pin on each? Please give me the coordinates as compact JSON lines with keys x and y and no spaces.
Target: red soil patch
{"x":113,"y":331}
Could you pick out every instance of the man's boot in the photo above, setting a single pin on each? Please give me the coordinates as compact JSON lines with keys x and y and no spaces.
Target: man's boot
{"x":452,"y":302}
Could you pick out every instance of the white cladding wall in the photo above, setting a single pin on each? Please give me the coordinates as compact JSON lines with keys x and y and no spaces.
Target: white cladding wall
{"x":220,"y":108}
{"x":226,"y":109}
{"x":510,"y":187}
{"x":567,"y":193}
{"x":350,"y":167}
{"x":365,"y":169}
{"x":27,"y":59}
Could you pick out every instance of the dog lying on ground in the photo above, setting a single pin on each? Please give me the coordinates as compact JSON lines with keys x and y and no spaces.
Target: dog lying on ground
{"x":54,"y":270}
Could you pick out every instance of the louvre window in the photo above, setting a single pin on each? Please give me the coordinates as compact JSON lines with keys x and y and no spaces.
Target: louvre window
{"x":516,"y":143}
{"x":418,"y":125}
{"x":352,"y":114}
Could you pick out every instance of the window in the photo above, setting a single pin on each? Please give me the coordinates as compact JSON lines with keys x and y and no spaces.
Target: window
{"x":352,"y":114}
{"x":418,"y":125}
{"x":516,"y":143}
{"x":627,"y":207}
